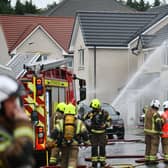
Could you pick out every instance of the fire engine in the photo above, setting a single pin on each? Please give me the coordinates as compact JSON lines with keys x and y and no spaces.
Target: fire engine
{"x":47,"y":84}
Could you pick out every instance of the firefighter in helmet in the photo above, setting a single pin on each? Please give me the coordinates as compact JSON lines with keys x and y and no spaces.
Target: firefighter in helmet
{"x":16,"y":135}
{"x":69,"y":132}
{"x":152,"y":129}
{"x":164,"y":135}
{"x":100,"y":120}
{"x":59,"y":114}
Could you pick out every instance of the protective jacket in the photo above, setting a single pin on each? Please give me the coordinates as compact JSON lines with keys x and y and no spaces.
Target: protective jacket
{"x":15,"y":143}
{"x":100,"y":120}
{"x":165,"y":124}
{"x":153,"y":123}
{"x":54,"y":119}
{"x":80,"y":135}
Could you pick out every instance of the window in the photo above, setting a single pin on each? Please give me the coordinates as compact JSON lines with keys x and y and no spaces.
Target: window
{"x":81,"y":57}
{"x":42,"y":57}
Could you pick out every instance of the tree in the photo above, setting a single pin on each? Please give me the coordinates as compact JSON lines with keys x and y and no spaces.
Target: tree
{"x":129,"y":3}
{"x":19,"y":8}
{"x":30,"y":8}
{"x":138,"y":5}
{"x":141,"y":6}
{"x":157,"y":3}
{"x":5,"y":7}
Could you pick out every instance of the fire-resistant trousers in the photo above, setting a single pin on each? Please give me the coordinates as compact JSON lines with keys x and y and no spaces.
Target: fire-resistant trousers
{"x":69,"y":156}
{"x":54,"y":156}
{"x":152,"y":145}
{"x":98,"y":151}
{"x":165,"y":148}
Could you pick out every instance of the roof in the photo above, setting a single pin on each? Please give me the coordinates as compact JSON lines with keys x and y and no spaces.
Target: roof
{"x":29,"y":60}
{"x":16,"y":64}
{"x":159,"y":9}
{"x":112,"y":29}
{"x":17,"y":28}
{"x":149,"y":41}
{"x":70,"y":7}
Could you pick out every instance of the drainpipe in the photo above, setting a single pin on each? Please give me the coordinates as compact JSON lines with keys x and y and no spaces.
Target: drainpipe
{"x":94,"y":71}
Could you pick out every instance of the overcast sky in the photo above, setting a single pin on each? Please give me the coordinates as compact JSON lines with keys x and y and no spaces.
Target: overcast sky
{"x":38,"y":3}
{"x":43,"y":3}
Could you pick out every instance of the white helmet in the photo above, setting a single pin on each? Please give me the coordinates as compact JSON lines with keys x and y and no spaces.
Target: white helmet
{"x":9,"y":87}
{"x":165,"y":105}
{"x":155,"y":103}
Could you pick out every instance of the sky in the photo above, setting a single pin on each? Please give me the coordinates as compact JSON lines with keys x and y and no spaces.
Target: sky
{"x":43,"y":3}
{"x":38,"y":3}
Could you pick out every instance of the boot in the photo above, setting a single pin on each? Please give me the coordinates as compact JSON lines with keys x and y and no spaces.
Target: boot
{"x":104,"y":165}
{"x":153,"y":162}
{"x":94,"y":164}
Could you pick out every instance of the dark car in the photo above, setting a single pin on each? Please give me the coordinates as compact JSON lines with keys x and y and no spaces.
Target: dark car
{"x":117,"y":127}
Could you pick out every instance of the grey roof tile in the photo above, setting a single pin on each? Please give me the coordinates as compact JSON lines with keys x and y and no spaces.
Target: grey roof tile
{"x":70,"y":7}
{"x":112,"y":29}
{"x":155,"y":40}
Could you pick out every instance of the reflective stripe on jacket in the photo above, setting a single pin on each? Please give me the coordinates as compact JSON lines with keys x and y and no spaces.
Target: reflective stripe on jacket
{"x":152,"y":118}
{"x":100,"y":120}
{"x":165,"y":124}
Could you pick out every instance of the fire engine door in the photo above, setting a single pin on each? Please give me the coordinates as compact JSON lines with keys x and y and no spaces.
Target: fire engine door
{"x":54,"y":95}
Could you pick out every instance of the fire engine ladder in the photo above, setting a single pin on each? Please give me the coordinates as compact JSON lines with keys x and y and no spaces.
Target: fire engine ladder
{"x":48,"y":64}
{"x":19,"y":60}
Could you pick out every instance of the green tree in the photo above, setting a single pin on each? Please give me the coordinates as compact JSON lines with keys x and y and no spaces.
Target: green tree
{"x":157,"y":3}
{"x":129,"y":3}
{"x":19,"y":8}
{"x":5,"y":7}
{"x":30,"y":8}
{"x":141,"y":5}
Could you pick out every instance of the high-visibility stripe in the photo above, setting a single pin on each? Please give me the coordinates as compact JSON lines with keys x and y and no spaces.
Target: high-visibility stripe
{"x":152,"y":157}
{"x":4,"y":145}
{"x":166,"y":157}
{"x":23,"y":131}
{"x":94,"y":158}
{"x":53,"y":160}
{"x":102,"y":158}
{"x":71,"y":167}
{"x":147,"y":157}
{"x":97,"y":131}
{"x":78,"y":128}
{"x":150,"y":131}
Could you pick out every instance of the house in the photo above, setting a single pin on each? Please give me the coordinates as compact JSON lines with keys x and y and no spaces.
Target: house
{"x":108,"y":50}
{"x":4,"y":56}
{"x":70,"y":7}
{"x":47,"y":35}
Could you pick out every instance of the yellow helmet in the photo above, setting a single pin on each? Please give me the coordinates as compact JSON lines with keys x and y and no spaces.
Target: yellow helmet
{"x":61,"y":107}
{"x":95,"y":103}
{"x":70,"y":109}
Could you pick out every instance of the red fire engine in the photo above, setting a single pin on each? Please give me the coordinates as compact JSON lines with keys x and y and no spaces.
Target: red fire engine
{"x":47,"y":84}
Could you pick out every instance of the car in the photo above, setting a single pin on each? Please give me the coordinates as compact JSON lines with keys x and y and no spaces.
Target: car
{"x":116,"y":129}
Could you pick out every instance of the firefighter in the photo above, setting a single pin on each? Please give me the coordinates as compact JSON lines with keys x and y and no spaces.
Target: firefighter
{"x":100,"y":120}
{"x":152,"y":129}
{"x":164,"y":135}
{"x":145,"y":109}
{"x":59,"y":114}
{"x":69,"y":132}
{"x":16,"y":135}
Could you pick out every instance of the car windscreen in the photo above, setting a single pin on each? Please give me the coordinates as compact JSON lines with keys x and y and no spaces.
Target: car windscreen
{"x":111,"y":111}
